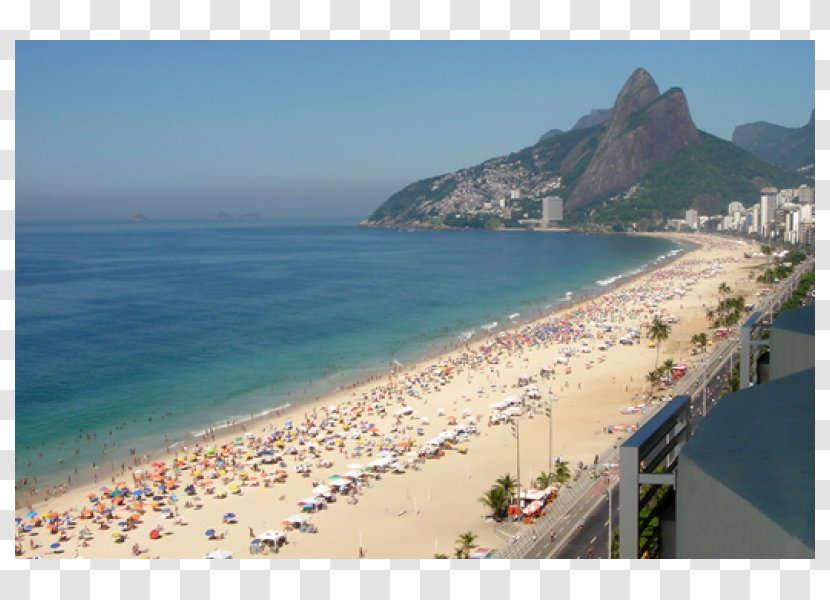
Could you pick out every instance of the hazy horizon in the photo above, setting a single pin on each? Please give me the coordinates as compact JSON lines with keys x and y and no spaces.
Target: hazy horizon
{"x":289,"y":130}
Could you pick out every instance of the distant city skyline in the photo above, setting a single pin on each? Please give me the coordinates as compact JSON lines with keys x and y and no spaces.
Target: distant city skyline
{"x":332,"y":129}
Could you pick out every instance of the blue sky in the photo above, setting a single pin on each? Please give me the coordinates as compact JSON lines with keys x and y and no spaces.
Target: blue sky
{"x":302,"y":129}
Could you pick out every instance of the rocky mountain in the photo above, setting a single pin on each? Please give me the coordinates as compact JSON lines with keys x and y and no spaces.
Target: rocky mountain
{"x":789,"y":147}
{"x":597,"y":116}
{"x":598,"y":167}
{"x":645,"y":129}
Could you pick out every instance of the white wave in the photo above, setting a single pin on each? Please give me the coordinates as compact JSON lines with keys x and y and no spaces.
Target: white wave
{"x":609,"y":281}
{"x":513,"y":316}
{"x":466,"y":335}
{"x":490,"y":326}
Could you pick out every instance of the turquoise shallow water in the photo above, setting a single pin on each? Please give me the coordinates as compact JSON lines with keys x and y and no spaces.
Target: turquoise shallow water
{"x":127,"y":332}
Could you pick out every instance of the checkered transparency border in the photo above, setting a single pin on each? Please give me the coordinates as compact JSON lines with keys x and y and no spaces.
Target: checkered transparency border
{"x":409,"y":19}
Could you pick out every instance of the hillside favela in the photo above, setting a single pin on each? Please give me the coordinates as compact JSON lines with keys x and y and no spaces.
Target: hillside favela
{"x":589,"y":347}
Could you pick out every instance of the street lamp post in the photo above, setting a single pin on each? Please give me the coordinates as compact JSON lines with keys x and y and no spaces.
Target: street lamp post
{"x":515,"y":427}
{"x":549,"y":413}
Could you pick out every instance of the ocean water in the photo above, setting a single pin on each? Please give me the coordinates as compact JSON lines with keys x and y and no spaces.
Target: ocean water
{"x":135,"y":335}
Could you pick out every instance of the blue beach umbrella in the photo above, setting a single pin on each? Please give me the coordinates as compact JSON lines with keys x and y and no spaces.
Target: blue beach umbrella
{"x":137,"y":493}
{"x":229,"y":516}
{"x":54,"y":545}
{"x":122,"y":523}
{"x":28,"y":527}
{"x":210,"y":532}
{"x":158,"y":498}
{"x":31,"y":515}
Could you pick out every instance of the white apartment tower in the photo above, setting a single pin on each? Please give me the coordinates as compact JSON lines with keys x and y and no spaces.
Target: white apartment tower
{"x":552,"y":209}
{"x":806,"y":194}
{"x":769,"y":202}
{"x":691,"y":218}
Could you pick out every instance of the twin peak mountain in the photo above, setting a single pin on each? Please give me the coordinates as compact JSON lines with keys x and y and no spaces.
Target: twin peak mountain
{"x":608,"y":152}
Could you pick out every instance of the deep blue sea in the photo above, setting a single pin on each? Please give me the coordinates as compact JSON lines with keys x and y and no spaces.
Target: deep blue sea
{"x":130,"y":331}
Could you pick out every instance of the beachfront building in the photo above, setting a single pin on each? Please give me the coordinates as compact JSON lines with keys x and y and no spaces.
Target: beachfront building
{"x":735,"y":207}
{"x":742,"y":485}
{"x":769,"y":202}
{"x":691,"y":218}
{"x":806,"y":194}
{"x":552,"y":210}
{"x":725,"y":508}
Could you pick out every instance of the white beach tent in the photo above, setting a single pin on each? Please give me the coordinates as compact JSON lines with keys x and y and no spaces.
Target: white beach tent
{"x":220,"y":554}
{"x":272,"y":536}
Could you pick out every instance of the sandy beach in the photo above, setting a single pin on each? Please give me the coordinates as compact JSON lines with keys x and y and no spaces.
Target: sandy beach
{"x":422,"y":510}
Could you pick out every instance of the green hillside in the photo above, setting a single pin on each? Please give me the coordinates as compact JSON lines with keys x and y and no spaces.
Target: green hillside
{"x":707,"y":177}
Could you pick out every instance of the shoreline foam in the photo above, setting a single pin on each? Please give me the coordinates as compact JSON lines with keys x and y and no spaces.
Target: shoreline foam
{"x":335,"y":383}
{"x":490,"y":452}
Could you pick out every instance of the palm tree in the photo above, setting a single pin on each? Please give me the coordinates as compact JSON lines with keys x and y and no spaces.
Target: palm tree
{"x":496,"y":499}
{"x":507,"y":483}
{"x":702,"y":340}
{"x":695,"y":341}
{"x":658,"y":332}
{"x":724,"y":289}
{"x":544,"y":480}
{"x":563,"y":473}
{"x":710,"y":316}
{"x":466,"y":542}
{"x":668,"y":364}
{"x":653,"y":378}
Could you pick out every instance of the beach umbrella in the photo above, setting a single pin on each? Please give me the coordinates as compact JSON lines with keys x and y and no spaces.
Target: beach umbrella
{"x":55,"y":545}
{"x":355,"y":466}
{"x":210,"y":532}
{"x":135,"y":517}
{"x":137,"y":493}
{"x":31,"y":515}
{"x":229,"y":516}
{"x":158,"y":498}
{"x":122,"y":523}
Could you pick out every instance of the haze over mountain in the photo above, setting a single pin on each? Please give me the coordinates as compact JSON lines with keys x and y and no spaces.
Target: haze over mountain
{"x":643,"y":160}
{"x":790,"y":147}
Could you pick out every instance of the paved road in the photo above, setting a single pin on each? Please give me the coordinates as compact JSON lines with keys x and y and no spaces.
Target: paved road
{"x":573,"y":541}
